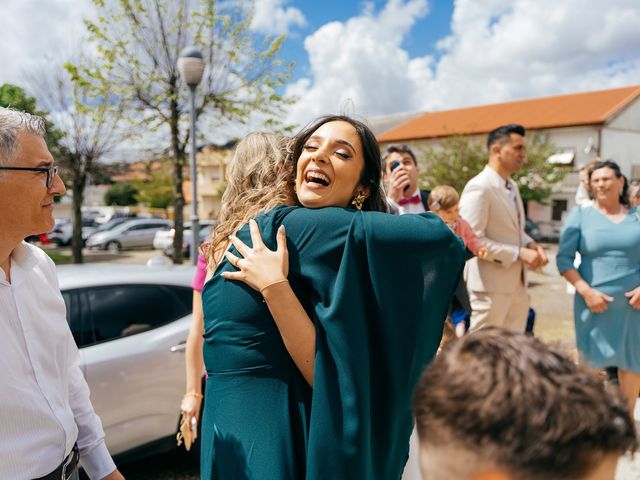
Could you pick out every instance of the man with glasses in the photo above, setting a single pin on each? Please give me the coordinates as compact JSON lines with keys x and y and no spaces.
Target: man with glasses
{"x":47,"y":423}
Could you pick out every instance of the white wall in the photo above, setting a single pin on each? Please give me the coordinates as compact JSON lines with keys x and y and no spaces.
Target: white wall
{"x":621,"y":146}
{"x":628,"y":118}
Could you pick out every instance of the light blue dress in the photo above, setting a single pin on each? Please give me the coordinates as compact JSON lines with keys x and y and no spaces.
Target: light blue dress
{"x":611,"y":264}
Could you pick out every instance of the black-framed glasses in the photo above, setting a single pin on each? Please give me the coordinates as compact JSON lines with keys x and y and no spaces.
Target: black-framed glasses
{"x":51,"y":172}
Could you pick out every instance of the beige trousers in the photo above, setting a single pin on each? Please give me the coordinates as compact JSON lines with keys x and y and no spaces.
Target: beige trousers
{"x":506,"y":310}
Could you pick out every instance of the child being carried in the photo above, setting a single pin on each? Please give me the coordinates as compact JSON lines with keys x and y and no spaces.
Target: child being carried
{"x":443,"y":201}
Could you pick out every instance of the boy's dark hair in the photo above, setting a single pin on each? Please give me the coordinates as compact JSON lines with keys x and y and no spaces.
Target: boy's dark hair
{"x":503,"y":133}
{"x":397,"y":148}
{"x":520,"y":405}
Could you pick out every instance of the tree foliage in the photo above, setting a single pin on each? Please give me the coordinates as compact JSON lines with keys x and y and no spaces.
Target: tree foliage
{"x":157,"y":192}
{"x":121,"y":194}
{"x":13,"y":96}
{"x":89,"y":120}
{"x":458,"y":159}
{"x":138,"y":44}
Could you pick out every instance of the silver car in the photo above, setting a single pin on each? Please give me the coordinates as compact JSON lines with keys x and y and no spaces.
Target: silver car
{"x":164,"y":238}
{"x":137,"y":233}
{"x":131,"y":323}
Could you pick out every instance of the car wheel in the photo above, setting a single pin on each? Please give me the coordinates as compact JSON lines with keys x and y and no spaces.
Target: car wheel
{"x":113,"y":246}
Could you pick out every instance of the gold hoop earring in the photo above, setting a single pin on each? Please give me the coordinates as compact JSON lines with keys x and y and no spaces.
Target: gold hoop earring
{"x":358,"y":199}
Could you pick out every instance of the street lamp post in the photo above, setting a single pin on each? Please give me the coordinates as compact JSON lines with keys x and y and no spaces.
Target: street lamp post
{"x":191,"y":67}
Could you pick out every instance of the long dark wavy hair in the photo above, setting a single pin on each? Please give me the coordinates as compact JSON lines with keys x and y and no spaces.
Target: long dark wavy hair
{"x":371,"y":173}
{"x":624,"y":195}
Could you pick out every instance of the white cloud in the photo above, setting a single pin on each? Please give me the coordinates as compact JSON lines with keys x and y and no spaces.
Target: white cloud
{"x":359,"y":65}
{"x":498,"y":50}
{"x":34,"y":32}
{"x":501,"y":50}
{"x":272,"y":17}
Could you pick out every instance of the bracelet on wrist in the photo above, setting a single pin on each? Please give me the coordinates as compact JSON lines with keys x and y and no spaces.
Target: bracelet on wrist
{"x":271,"y":284}
{"x":193,"y":394}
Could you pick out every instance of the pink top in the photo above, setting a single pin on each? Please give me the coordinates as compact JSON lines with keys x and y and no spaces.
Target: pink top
{"x":468,"y":236}
{"x":201,"y":274}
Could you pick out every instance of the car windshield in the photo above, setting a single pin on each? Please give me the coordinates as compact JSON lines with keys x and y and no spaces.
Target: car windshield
{"x":111,"y":223}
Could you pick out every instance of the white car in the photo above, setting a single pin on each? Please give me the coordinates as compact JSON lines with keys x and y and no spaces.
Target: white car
{"x":131,"y":323}
{"x":137,"y":233}
{"x":164,"y":239}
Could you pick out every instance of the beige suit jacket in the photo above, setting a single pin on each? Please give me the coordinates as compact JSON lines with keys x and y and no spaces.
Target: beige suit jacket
{"x":486,"y":205}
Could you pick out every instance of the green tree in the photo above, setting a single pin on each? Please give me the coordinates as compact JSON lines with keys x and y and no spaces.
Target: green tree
{"x":157,"y":192}
{"x":122,"y":194}
{"x":458,"y":159}
{"x":12,"y":96}
{"x":89,"y":121}
{"x":138,"y":43}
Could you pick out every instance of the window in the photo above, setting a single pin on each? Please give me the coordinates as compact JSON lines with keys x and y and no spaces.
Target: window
{"x":122,"y":310}
{"x":78,"y":317}
{"x":163,"y":226}
{"x":558,"y":207}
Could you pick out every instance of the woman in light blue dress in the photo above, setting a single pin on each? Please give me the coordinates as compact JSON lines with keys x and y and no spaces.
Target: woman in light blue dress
{"x":607,"y":303}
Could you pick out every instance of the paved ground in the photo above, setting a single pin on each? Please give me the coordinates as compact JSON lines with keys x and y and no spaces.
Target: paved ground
{"x":554,"y":325}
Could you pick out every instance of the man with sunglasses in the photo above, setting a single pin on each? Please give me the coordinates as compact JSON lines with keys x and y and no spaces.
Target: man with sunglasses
{"x":47,"y":423}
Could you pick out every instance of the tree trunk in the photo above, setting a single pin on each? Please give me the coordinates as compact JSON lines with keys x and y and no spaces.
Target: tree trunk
{"x":178,"y":198}
{"x":76,"y":239}
{"x":178,"y":209}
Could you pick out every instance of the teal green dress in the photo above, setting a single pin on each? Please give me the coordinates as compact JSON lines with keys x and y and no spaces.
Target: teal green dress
{"x":611,"y":264}
{"x":377,"y":287}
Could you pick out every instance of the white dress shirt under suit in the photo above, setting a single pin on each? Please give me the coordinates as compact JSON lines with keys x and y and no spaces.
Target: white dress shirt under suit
{"x":416,"y":207}
{"x":44,"y":399}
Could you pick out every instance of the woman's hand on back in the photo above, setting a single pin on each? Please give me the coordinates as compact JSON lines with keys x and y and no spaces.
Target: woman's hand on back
{"x":259,"y":267}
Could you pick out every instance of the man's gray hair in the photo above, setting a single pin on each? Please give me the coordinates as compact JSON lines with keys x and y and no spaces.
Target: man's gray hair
{"x":12,"y":123}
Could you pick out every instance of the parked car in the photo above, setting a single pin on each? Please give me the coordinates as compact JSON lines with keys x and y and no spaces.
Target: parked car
{"x":109,"y":225}
{"x":136,"y":233}
{"x":63,"y":230}
{"x":532,"y":229}
{"x":131,"y":323}
{"x":164,"y":239}
{"x":205,"y":233}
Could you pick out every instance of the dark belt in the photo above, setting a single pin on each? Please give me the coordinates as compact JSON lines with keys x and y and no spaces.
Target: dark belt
{"x":66,"y":468}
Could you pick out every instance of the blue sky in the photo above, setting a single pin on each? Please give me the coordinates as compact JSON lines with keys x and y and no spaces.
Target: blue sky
{"x":421,"y":40}
{"x":382,"y":57}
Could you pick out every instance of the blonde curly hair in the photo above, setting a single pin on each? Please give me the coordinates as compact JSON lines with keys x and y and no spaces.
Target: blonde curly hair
{"x":259,"y":179}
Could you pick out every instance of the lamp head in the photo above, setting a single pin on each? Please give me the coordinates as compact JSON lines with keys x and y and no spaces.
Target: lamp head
{"x":191,"y":66}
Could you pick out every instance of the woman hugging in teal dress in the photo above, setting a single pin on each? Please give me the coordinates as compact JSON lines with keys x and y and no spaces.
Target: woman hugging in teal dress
{"x":313,"y":356}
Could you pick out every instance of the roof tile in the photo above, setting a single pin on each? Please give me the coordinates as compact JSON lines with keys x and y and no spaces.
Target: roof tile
{"x":588,"y":108}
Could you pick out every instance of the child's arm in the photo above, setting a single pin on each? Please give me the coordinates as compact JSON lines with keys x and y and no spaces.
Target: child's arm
{"x":470,"y":239}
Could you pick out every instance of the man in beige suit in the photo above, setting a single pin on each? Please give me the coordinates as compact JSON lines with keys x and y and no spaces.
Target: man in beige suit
{"x":492,"y":205}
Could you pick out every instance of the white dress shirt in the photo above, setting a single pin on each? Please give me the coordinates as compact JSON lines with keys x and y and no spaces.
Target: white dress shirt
{"x":510,"y":189}
{"x":409,"y":207}
{"x":44,"y":399}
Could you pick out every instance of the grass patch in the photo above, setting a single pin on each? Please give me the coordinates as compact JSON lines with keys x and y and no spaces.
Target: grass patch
{"x":58,"y":258}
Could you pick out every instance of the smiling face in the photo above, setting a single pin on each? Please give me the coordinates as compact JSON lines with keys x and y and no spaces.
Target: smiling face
{"x":605,"y":186}
{"x":26,"y":204}
{"x":330,"y":166}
